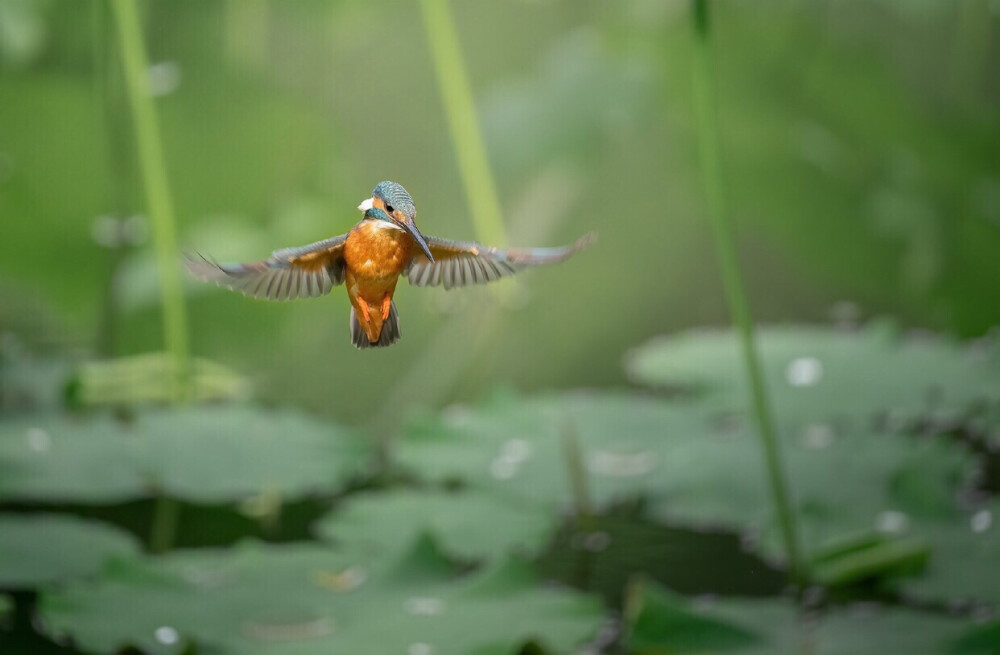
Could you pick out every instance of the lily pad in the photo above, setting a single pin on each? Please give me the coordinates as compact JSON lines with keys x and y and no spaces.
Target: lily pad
{"x":837,"y":396}
{"x":659,"y":621}
{"x":823,"y":375}
{"x":516,"y":448}
{"x":693,"y":467}
{"x":603,"y":552}
{"x":859,"y":630}
{"x":304,"y":599}
{"x":978,"y":640}
{"x":469,"y":526}
{"x":965,"y":560}
{"x":665,"y":623}
{"x":206,"y":454}
{"x":38,"y":549}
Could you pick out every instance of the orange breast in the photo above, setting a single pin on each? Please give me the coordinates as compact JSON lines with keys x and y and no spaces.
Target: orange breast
{"x":374,"y":252}
{"x":375,"y":255}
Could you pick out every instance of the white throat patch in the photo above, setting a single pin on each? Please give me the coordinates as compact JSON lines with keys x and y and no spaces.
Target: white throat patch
{"x":383,"y":225}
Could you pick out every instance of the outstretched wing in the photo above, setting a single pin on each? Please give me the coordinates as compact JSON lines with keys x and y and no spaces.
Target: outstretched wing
{"x":304,"y":272}
{"x":461,"y":263}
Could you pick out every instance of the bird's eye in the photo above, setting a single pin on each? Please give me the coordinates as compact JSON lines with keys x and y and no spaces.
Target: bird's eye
{"x":389,"y":208}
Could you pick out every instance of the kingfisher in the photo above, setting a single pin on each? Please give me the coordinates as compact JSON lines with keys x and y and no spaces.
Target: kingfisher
{"x":369,"y":259}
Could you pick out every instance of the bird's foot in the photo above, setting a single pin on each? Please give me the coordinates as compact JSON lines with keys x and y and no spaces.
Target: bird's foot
{"x":386,"y":304}
{"x":364,"y":309}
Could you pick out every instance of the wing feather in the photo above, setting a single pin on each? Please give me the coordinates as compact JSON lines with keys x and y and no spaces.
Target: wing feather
{"x":461,"y":263}
{"x":302,"y":272}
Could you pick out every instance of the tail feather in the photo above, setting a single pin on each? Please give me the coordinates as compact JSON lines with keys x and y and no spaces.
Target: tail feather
{"x":390,"y":331}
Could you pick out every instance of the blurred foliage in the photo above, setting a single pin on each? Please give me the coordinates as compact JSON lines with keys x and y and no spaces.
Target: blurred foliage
{"x":476,"y":506}
{"x":146,"y":379}
{"x":780,"y":627}
{"x":41,"y":549}
{"x":407,"y":500}
{"x":211,"y":454}
{"x":309,"y":599}
{"x":463,"y":525}
{"x":814,"y":374}
{"x":660,"y":621}
{"x":853,"y":177}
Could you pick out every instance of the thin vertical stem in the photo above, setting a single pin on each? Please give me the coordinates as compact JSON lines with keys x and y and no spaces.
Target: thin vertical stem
{"x":161,"y":215}
{"x":466,"y":137}
{"x":711,"y":174}
{"x":165,"y":518}
{"x":582,"y":508}
{"x":154,"y":179}
{"x":577,"y":474}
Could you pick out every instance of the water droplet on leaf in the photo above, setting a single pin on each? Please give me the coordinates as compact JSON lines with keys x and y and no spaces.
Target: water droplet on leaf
{"x":817,"y":436}
{"x":892,"y":522}
{"x":164,"y":78}
{"x":423,"y":606}
{"x":38,"y":440}
{"x":166,"y":635}
{"x":804,"y":372}
{"x":982,"y":521}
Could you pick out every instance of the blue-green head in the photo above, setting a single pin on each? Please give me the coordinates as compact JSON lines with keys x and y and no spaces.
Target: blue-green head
{"x":391,"y":203}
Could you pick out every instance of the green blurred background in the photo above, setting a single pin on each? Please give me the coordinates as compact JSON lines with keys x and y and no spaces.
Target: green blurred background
{"x":860,"y":154}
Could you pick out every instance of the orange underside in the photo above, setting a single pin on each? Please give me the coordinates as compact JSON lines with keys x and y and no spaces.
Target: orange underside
{"x":371,"y":300}
{"x":374,"y":259}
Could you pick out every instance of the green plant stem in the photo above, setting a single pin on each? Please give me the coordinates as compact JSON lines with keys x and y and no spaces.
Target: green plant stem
{"x":577,"y":475}
{"x":711,"y":174}
{"x":154,"y":179}
{"x":466,"y":137}
{"x":165,"y":517}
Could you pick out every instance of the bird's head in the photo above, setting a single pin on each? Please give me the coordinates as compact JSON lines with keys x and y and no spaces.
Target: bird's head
{"x":392,"y":204}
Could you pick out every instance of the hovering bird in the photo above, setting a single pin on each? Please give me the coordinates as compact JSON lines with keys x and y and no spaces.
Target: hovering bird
{"x":369,"y":259}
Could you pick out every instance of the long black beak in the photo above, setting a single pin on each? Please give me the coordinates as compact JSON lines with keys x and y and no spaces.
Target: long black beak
{"x":411,"y":227}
